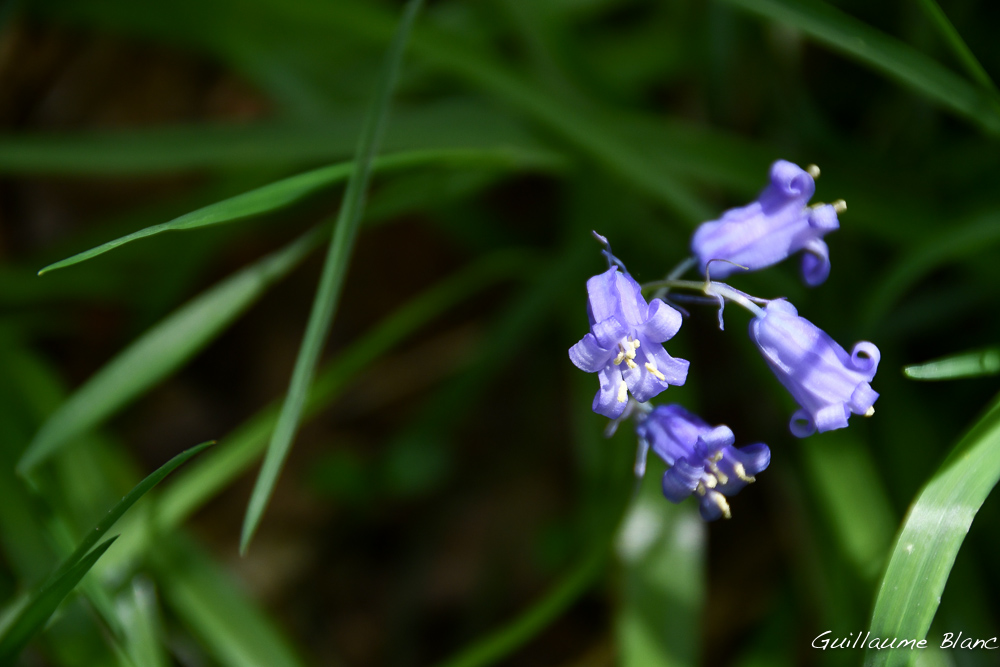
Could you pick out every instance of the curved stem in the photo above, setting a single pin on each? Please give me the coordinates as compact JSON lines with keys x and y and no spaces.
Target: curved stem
{"x":676,"y":273}
{"x":712,"y":288}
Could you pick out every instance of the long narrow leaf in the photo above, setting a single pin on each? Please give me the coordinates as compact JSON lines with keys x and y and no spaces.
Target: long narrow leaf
{"x":974,"y":363}
{"x":33,"y":617}
{"x":860,"y":41}
{"x":331,"y":282}
{"x":501,"y":643}
{"x":931,"y":536}
{"x":205,"y":598}
{"x":161,"y":350}
{"x":958,"y":46}
{"x":123,"y":505}
{"x":283,"y":193}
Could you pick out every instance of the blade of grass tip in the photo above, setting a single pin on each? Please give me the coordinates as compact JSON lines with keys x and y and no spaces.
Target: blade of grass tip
{"x":161,"y":350}
{"x":930,"y":537}
{"x":858,"y":40}
{"x":970,"y":364}
{"x":122,"y":506}
{"x":961,"y":50}
{"x":285,"y":192}
{"x":494,"y":647}
{"x":33,"y":617}
{"x":331,"y":281}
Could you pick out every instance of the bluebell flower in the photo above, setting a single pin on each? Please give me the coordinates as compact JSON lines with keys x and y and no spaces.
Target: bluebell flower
{"x":828,"y":383}
{"x":702,"y":458}
{"x":771,"y":228}
{"x":624,"y":346}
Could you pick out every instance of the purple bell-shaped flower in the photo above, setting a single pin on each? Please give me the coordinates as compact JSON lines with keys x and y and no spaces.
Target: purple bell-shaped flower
{"x":828,"y":383}
{"x":771,"y":228}
{"x":702,"y":458}
{"x":624,"y":346}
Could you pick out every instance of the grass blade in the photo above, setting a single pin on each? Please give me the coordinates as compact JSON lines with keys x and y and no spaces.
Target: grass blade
{"x":592,"y":132}
{"x":33,"y":616}
{"x":161,"y":350}
{"x":962,"y":239}
{"x":138,"y":610}
{"x":331,"y":282}
{"x":971,"y":364}
{"x":204,"y":597}
{"x":931,"y":536}
{"x":123,"y":505}
{"x":283,"y":193}
{"x":852,"y":37}
{"x":503,"y":642}
{"x":958,"y":45}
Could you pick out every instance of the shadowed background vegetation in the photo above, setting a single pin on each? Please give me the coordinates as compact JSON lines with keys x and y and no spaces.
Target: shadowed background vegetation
{"x":449,"y":497}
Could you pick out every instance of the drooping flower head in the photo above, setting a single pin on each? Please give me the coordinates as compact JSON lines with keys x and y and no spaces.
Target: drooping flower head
{"x":625,"y":343}
{"x":702,"y":458}
{"x":768,"y":230}
{"x":828,"y":383}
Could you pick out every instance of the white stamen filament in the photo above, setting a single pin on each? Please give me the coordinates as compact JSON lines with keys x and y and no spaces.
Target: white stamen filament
{"x":720,"y":500}
{"x":723,"y":477}
{"x":741,"y":472}
{"x":652,"y":369}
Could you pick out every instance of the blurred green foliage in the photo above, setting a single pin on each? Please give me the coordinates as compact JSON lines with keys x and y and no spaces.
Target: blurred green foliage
{"x":450,"y":497}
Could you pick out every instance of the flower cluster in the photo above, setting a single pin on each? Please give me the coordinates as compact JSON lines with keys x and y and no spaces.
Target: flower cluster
{"x":625,"y":343}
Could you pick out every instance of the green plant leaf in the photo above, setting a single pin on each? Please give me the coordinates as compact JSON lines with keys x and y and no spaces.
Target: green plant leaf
{"x":122,"y":506}
{"x":844,"y":33}
{"x":504,"y":641}
{"x":331,"y":282}
{"x":161,"y":350}
{"x":970,"y":364}
{"x":661,"y":548}
{"x":137,"y":610}
{"x":958,"y":240}
{"x":930,"y":537}
{"x":283,"y":193}
{"x":958,"y":45}
{"x":460,"y":123}
{"x":206,"y":599}
{"x":35,"y":614}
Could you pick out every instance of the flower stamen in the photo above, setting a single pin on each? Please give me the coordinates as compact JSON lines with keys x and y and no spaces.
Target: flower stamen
{"x":622,"y":392}
{"x":741,"y":472}
{"x":652,"y":369}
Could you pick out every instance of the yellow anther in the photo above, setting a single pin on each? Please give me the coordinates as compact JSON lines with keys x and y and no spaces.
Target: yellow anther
{"x":716,"y":457}
{"x":870,"y":411}
{"x":700,"y":489}
{"x":630,"y":363}
{"x":741,"y":472}
{"x":813,"y":171}
{"x":723,"y":477}
{"x":635,"y":343}
{"x":622,"y":392}
{"x":720,"y":500}
{"x":619,"y":358}
{"x":652,"y":369}
{"x":711,"y":482}
{"x":839,"y":206}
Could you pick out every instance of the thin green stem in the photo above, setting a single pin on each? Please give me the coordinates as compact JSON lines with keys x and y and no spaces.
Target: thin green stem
{"x":683,"y":267}
{"x":713,"y":289}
